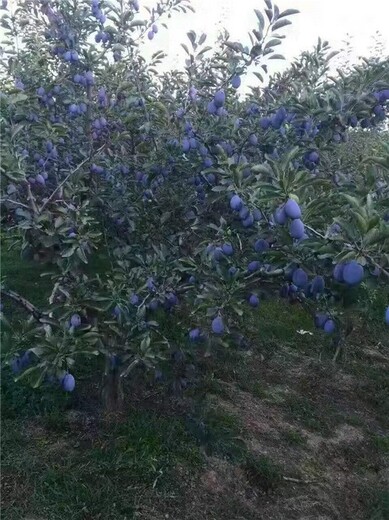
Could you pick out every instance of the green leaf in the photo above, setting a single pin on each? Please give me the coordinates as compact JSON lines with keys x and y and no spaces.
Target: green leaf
{"x":185,"y":47}
{"x":138,"y":23}
{"x":372,"y":237}
{"x":288,"y":12}
{"x":280,"y":24}
{"x":272,"y":43}
{"x":203,"y":51}
{"x":202,"y":38}
{"x":192,"y":37}
{"x":261,"y":19}
{"x":276,"y":57}
{"x":69,"y":252}
{"x":261,"y":168}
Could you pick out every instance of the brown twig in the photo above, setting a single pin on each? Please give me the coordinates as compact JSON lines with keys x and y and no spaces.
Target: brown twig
{"x":297,"y":480}
{"x":383,"y":271}
{"x":38,"y":315}
{"x":15,"y":202}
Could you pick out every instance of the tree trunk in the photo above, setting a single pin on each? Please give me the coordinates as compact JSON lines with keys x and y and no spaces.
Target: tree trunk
{"x":112,"y":388}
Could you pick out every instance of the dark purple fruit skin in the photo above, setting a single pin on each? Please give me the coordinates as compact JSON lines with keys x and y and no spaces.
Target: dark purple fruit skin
{"x":75,"y":320}
{"x":353,"y":273}
{"x":297,"y":229}
{"x":320,"y":320}
{"x":68,"y":383}
{"x":236,"y":203}
{"x":338,"y":272}
{"x":218,"y":325}
{"x":329,"y":327}
{"x":236,"y":82}
{"x":228,"y":250}
{"x":253,"y":266}
{"x":292,"y":209}
{"x":254,"y":300}
{"x":300,"y":278}
{"x":134,"y":299}
{"x":261,"y":245}
{"x":194,"y":334}
{"x":280,"y":216}
{"x":318,"y":285}
{"x":219,"y":99}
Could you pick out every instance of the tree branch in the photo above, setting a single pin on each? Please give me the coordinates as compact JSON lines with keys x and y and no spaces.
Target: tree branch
{"x":67,"y":178}
{"x":383,"y":271}
{"x":31,"y":199}
{"x":15,"y":202}
{"x":29,"y":307}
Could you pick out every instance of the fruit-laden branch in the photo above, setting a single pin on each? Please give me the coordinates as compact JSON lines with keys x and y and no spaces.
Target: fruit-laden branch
{"x":369,"y":258}
{"x":383,"y":271}
{"x":78,"y":167}
{"x":40,"y":316}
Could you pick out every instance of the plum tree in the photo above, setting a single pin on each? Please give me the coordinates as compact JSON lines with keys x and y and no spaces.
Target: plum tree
{"x":196,"y":196}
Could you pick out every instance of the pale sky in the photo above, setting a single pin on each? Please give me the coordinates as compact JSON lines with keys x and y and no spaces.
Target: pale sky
{"x":329,"y":19}
{"x":332,"y":20}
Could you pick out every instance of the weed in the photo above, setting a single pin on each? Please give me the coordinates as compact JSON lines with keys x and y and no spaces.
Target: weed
{"x":263,"y":473}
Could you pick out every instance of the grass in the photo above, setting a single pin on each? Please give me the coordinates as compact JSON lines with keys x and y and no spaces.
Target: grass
{"x":382,"y":443}
{"x":24,"y":277}
{"x":258,"y":390}
{"x":380,"y":505}
{"x":219,"y":433}
{"x":62,"y":458}
{"x":294,"y":437}
{"x":263,"y":473}
{"x":103,"y":478}
{"x":306,"y":412}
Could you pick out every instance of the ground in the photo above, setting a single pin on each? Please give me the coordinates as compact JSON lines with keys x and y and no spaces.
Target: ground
{"x":272,"y":431}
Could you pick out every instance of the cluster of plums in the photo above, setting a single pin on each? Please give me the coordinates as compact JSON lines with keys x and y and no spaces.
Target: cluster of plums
{"x":23,"y":361}
{"x":152,"y":32}
{"x":350,"y":273}
{"x":325,"y":322}
{"x":247,"y":218}
{"x":291,"y":210}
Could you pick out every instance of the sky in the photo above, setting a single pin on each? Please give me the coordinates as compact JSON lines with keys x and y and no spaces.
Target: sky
{"x":332,"y":20}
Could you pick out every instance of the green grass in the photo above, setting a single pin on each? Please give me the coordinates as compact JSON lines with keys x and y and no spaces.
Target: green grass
{"x":277,"y":324}
{"x":263,"y":473}
{"x":87,"y":468}
{"x":256,"y":388}
{"x":24,"y":277}
{"x":309,"y":414}
{"x":219,"y":433}
{"x":373,"y":387}
{"x":380,"y":505}
{"x":294,"y":437}
{"x":381,"y":443}
{"x":103,"y":478}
